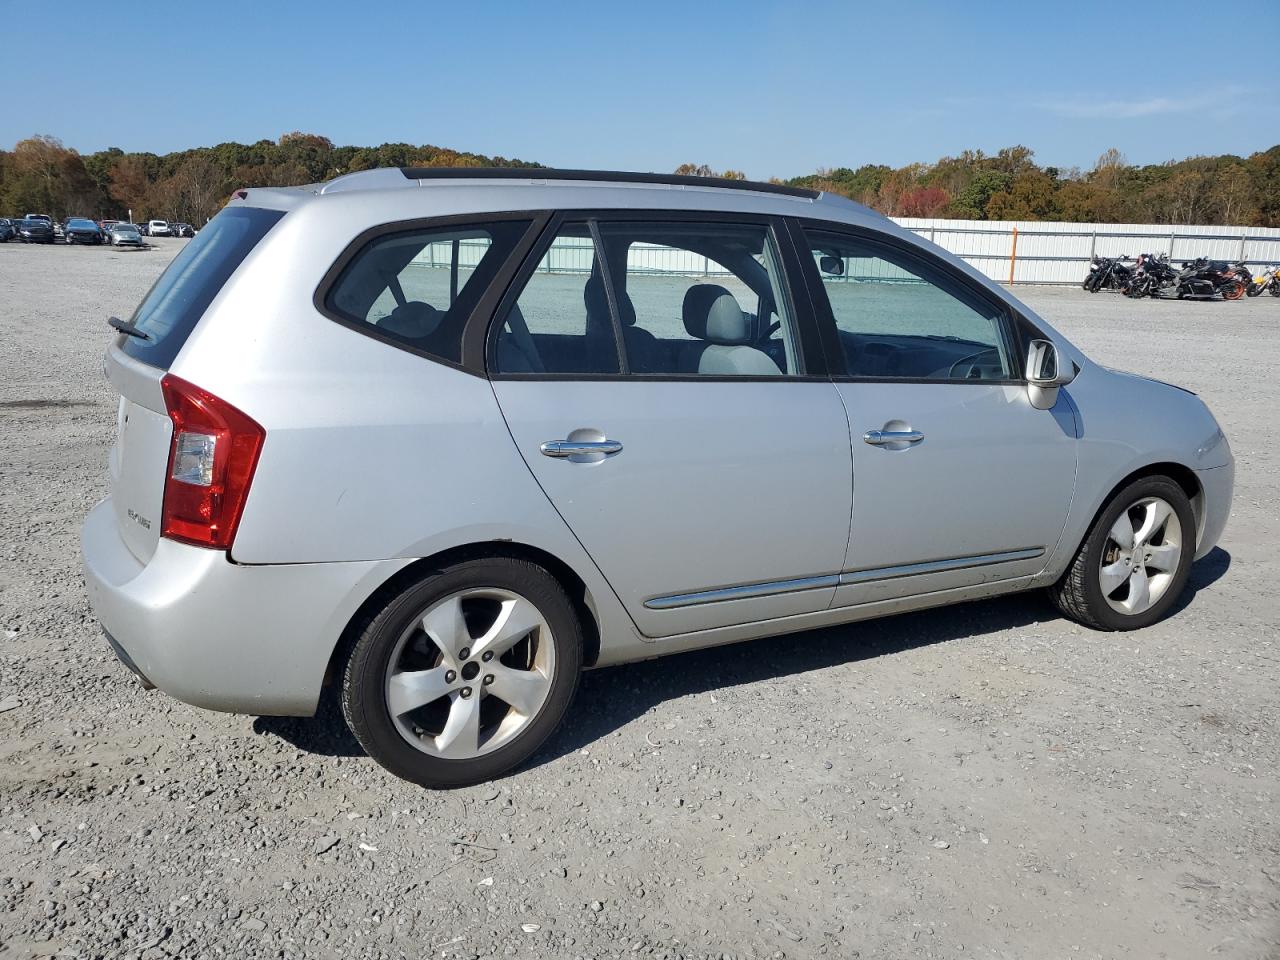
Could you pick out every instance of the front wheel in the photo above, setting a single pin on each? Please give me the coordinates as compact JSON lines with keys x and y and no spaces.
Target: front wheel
{"x":1275,"y":289}
{"x":1135,"y":561}
{"x":466,"y":673}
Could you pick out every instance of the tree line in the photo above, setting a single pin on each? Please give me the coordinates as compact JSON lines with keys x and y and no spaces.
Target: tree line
{"x":1010,"y":185}
{"x":41,"y":175}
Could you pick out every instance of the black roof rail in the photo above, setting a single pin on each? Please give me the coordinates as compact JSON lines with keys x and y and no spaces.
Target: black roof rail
{"x":601,"y":176}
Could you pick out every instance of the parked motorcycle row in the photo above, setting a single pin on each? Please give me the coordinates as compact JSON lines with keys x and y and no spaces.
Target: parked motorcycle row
{"x":1200,"y":279}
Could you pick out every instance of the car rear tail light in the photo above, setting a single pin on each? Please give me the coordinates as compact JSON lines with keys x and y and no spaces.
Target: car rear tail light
{"x":212,"y":457}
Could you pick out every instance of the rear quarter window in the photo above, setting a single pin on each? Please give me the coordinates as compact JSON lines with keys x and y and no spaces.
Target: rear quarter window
{"x":177,"y":301}
{"x":416,"y":288}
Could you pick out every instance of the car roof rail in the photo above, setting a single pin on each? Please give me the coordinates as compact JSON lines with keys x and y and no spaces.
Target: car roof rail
{"x":602,"y":176}
{"x":390,"y":177}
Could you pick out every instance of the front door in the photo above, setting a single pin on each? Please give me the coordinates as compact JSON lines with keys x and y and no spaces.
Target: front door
{"x":958,"y":480}
{"x":653,"y":378}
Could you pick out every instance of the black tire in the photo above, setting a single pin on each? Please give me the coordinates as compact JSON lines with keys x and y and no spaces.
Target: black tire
{"x":1275,"y":289}
{"x":1078,"y":593}
{"x":364,"y":698}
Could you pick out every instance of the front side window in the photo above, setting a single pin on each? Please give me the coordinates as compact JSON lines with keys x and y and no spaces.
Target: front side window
{"x":898,"y":317}
{"x":418,"y":287}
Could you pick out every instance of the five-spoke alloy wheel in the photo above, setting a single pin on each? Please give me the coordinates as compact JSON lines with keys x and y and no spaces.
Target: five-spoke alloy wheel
{"x":1134,"y":562}
{"x":465,"y":673}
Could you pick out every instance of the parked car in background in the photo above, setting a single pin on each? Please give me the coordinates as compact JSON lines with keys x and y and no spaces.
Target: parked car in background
{"x":158,"y":228}
{"x":7,"y":230}
{"x":106,"y":225}
{"x":125,"y":235}
{"x":35,"y":230}
{"x":182,"y":230}
{"x":39,"y":216}
{"x":448,"y":491}
{"x":81,"y":230}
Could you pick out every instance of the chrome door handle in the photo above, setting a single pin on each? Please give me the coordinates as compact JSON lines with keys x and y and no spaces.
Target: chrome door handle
{"x":575,"y":448}
{"x":879,"y":438}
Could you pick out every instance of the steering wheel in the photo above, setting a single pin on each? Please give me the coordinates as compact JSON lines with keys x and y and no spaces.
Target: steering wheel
{"x":970,"y":367}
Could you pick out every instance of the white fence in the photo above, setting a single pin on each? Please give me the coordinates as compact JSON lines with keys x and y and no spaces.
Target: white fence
{"x":1029,"y":252}
{"x":1007,"y":251}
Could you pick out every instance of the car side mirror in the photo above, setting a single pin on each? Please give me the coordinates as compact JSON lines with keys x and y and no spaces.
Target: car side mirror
{"x":831,"y":266}
{"x":1045,"y":374}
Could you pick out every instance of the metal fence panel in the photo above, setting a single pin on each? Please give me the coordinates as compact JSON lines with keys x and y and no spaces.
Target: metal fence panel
{"x":1060,"y":252}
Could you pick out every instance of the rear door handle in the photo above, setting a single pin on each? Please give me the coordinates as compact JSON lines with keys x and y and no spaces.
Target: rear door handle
{"x":580,"y":448}
{"x":879,"y":438}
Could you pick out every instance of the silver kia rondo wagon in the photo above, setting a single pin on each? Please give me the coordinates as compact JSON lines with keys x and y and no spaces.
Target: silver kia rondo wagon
{"x":441,"y":439}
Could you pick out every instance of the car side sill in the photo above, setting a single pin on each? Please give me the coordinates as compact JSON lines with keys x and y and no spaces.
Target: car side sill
{"x":776,"y":587}
{"x":939,"y":566}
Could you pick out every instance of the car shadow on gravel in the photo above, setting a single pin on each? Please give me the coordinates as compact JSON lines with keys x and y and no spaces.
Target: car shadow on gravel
{"x":612,"y":697}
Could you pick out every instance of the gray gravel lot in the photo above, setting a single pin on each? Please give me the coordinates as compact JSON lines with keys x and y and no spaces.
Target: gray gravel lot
{"x":982,"y":781}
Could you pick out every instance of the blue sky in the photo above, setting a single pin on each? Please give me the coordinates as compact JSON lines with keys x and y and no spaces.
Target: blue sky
{"x":773,"y":89}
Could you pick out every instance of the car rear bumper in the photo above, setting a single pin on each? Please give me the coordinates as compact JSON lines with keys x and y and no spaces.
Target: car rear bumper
{"x":1218,"y":485}
{"x":221,"y":635}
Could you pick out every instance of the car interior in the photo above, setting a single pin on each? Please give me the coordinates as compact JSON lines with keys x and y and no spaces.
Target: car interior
{"x":899,"y":318}
{"x":691,"y":299}
{"x":672,"y":322}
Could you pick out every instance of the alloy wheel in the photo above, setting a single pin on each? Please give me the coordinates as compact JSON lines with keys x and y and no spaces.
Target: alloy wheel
{"x":1141,"y":556}
{"x":470,"y":673}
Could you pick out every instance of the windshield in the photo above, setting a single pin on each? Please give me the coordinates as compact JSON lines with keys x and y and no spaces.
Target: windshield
{"x":124,"y":228}
{"x":184,"y":291}
{"x":81,"y":224}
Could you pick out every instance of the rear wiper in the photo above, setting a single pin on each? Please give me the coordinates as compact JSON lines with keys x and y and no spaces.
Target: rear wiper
{"x":127,"y":327}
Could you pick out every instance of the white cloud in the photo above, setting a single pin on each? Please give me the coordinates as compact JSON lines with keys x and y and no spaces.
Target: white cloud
{"x":1096,"y":108}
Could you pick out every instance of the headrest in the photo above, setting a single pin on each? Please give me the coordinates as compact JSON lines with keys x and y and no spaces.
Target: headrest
{"x":711,"y":313}
{"x":413,"y":319}
{"x":597,"y":301}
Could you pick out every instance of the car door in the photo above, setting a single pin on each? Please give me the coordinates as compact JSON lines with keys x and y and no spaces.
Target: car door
{"x":697,"y":451}
{"x":958,"y":480}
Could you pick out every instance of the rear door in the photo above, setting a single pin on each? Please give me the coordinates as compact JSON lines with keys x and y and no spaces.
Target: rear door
{"x":136,"y":365}
{"x":662,"y":387}
{"x":957,"y":479}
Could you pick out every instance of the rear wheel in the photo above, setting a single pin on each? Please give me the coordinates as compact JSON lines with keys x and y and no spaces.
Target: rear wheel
{"x":1233,"y":290}
{"x":1135,"y":561}
{"x":464,"y":674}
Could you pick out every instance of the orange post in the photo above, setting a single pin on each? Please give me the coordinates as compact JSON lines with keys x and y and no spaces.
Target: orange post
{"x":1013,"y":255}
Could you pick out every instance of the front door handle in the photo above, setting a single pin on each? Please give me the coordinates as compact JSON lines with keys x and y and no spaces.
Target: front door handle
{"x":879,"y":438}
{"x":581,"y":448}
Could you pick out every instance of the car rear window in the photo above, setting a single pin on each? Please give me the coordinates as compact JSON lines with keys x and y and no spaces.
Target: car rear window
{"x":171,"y":309}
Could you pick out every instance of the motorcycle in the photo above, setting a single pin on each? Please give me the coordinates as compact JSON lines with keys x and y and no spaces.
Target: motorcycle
{"x":1268,"y":280}
{"x":1203,"y":278}
{"x":1107,"y":272}
{"x":1151,"y":275}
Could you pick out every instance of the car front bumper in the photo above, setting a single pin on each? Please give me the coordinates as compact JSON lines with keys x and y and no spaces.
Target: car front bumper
{"x":1218,"y":486}
{"x":222,"y":635}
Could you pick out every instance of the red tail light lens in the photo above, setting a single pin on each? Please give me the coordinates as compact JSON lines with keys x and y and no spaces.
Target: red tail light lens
{"x":212,"y":457}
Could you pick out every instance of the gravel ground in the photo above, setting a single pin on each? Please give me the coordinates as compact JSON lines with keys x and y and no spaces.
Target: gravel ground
{"x":987,"y":780}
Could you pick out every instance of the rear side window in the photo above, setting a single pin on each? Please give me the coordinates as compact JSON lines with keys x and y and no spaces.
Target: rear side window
{"x":173,"y":307}
{"x":418,"y":287}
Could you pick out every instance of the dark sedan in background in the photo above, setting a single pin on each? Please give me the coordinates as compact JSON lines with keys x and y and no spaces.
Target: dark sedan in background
{"x":35,"y":231}
{"x":8,"y":230}
{"x":81,"y":230}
